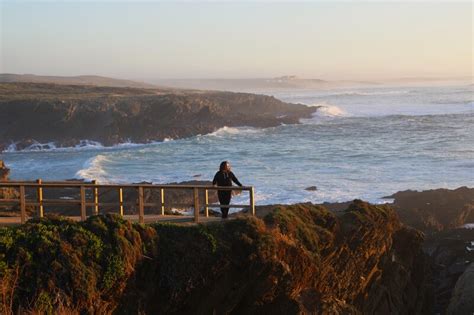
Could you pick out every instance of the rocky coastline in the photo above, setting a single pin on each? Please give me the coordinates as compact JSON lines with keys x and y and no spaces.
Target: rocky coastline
{"x":410,"y":257}
{"x":67,"y":115}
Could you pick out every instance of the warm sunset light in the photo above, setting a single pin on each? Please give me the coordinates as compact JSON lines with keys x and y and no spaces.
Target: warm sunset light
{"x":236,"y":157}
{"x":156,"y":40}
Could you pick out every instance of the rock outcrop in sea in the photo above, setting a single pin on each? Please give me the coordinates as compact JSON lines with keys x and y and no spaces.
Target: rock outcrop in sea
{"x":435,"y":210}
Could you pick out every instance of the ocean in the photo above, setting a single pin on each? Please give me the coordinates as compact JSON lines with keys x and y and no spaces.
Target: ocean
{"x":363,"y":143}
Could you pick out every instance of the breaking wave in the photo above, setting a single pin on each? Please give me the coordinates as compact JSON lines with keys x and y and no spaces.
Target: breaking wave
{"x":326,"y":110}
{"x":83,"y":145}
{"x":93,"y":169}
{"x":224,"y":131}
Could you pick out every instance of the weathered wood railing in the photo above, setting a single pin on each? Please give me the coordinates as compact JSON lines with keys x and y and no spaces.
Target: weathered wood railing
{"x":95,"y":203}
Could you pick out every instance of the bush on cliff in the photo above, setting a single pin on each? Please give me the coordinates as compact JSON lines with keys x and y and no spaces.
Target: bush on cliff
{"x":82,"y":266}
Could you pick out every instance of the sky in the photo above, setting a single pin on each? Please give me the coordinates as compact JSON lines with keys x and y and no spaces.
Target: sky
{"x":159,"y":40}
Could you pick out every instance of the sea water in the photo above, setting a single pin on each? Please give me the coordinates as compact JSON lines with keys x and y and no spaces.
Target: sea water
{"x":362,"y":143}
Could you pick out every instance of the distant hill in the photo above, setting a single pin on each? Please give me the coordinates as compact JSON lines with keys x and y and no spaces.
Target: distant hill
{"x":74,"y":80}
{"x":287,"y":82}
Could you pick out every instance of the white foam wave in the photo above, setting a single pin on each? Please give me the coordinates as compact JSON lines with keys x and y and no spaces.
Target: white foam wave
{"x":224,"y":131}
{"x":468,"y":226}
{"x":331,"y":111}
{"x":35,"y":146}
{"x":93,"y":169}
{"x":83,"y":145}
{"x":87,"y":144}
{"x":11,"y":148}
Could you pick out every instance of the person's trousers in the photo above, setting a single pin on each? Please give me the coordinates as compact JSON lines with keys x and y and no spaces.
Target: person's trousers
{"x":224,"y":199}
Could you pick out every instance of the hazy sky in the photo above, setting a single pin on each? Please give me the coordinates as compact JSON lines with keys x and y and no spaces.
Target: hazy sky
{"x":151,"y":40}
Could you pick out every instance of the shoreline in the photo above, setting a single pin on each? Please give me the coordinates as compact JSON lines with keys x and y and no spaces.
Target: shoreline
{"x":66,"y":115}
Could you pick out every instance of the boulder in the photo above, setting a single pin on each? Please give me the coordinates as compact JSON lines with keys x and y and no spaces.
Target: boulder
{"x":462,"y":300}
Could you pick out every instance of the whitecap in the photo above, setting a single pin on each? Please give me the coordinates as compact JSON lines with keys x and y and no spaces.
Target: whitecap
{"x":330,"y":111}
{"x":37,"y":146}
{"x":11,"y":148}
{"x":87,"y":144}
{"x":93,"y":169}
{"x":83,"y":145}
{"x":325,"y":110}
{"x":224,"y":131}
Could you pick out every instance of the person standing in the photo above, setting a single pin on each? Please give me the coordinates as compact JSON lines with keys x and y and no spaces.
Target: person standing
{"x":225,"y":177}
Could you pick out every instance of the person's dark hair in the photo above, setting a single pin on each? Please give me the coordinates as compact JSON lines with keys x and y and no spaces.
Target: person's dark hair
{"x":223,"y":165}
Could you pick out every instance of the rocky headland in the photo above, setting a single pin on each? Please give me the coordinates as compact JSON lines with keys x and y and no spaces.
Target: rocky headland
{"x":67,"y":115}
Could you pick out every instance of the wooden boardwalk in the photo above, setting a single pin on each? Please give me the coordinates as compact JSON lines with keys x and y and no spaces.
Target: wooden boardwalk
{"x":89,"y":201}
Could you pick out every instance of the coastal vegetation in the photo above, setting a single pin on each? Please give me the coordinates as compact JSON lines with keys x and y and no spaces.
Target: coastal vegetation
{"x":298,"y":258}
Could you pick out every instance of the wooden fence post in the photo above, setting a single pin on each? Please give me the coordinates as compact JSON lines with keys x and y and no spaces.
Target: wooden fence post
{"x":141,"y":208}
{"x":22,"y":204}
{"x":39,"y":198}
{"x":162,"y":194}
{"x":207,"y":202}
{"x":96,"y":198}
{"x":196,"y":205}
{"x":83,"y":203}
{"x":121,"y":200}
{"x":252,"y":201}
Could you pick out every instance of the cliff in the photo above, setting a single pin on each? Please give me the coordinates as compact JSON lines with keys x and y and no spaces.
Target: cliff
{"x":67,"y":114}
{"x":298,"y":259}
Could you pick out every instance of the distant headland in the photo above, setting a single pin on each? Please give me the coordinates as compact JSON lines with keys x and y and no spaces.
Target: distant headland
{"x":67,"y":115}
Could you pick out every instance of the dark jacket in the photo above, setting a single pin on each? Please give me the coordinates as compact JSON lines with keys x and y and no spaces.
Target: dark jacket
{"x":225,"y":179}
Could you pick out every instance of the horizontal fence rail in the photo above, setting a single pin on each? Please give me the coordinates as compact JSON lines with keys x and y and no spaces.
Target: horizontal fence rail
{"x":91,"y":190}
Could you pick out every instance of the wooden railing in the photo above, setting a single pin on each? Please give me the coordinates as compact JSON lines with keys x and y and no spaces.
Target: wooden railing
{"x":93,"y":188}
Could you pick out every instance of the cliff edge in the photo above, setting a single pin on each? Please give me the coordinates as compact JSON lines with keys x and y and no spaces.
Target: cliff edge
{"x":298,"y":259}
